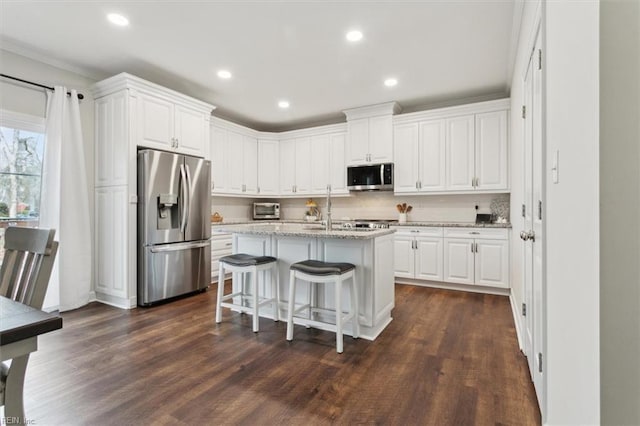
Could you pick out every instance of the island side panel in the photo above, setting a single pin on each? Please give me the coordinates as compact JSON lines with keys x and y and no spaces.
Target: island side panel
{"x":384,"y":297}
{"x":289,"y":250}
{"x":375,"y":273}
{"x":257,"y":245}
{"x":360,"y":253}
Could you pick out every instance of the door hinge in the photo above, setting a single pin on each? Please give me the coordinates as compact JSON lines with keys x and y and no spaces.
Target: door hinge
{"x":539,"y":59}
{"x":524,"y":309}
{"x":539,"y":362}
{"x":523,"y":211}
{"x":539,"y":209}
{"x":524,"y":111}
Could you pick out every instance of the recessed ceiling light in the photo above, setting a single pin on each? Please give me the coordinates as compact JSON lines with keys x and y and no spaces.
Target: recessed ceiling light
{"x":224,"y":74}
{"x":354,"y":35}
{"x":118,"y":20}
{"x":390,"y":82}
{"x":283,"y":104}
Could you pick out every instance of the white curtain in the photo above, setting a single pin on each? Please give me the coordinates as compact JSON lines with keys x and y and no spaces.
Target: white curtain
{"x":64,"y":204}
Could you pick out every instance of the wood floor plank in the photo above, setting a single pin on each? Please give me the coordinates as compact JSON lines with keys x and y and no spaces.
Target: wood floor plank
{"x":447,"y":358}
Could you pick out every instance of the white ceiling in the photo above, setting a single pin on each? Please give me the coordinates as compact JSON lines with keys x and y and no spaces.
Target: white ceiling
{"x":441,"y":52}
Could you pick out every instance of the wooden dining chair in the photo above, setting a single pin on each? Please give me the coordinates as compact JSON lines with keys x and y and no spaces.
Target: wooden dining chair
{"x":24,"y":277}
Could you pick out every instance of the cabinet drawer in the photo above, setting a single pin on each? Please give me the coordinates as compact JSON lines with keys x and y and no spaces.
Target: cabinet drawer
{"x":421,"y":231}
{"x":486,"y":233}
{"x":225,"y":244}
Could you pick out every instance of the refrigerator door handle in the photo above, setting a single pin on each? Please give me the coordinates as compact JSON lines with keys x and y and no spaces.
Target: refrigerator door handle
{"x":189,"y":191}
{"x":178,"y":247}
{"x":184,"y":188}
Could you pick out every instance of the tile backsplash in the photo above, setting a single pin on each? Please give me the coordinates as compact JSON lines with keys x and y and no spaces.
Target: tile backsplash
{"x":376,"y":205}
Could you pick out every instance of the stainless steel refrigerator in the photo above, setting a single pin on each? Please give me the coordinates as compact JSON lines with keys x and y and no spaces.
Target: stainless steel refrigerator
{"x":174,"y":225}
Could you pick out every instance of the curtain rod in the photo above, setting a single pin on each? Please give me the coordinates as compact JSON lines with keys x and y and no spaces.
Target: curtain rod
{"x":80,"y":95}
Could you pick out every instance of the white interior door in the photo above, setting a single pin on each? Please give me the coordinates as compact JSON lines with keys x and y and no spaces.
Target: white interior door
{"x":533,"y":225}
{"x":527,"y":222}
{"x":538,"y":168}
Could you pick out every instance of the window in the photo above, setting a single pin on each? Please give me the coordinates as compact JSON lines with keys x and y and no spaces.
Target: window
{"x":21,"y":157}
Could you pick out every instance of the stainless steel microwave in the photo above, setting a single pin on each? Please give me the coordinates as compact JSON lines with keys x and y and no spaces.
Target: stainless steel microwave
{"x":266,"y":211}
{"x":370,"y":177}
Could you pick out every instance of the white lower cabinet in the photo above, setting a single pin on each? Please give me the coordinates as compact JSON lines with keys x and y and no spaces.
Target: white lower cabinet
{"x":418,"y":253}
{"x":221,"y":245}
{"x":472,"y":256}
{"x":115,"y":246}
{"x":477,"y":256}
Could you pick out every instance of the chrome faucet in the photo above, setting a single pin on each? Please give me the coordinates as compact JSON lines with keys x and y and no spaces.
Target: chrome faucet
{"x":328,"y":222}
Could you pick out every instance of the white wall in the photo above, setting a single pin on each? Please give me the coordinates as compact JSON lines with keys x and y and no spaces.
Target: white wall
{"x":620,"y":212}
{"x":382,"y":205}
{"x":368,"y":205}
{"x":25,"y":99}
{"x":570,"y":76}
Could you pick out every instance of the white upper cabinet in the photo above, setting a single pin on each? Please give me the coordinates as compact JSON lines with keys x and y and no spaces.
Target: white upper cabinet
{"x":419,"y":153}
{"x":234,"y":162}
{"x":312,"y":161}
{"x":169,"y":126}
{"x":381,"y":139}
{"x":287,"y":167}
{"x":328,"y":170}
{"x":112,"y":142}
{"x":491,"y":168}
{"x":268,"y":167}
{"x":337,"y":166}
{"x":460,"y":153}
{"x":295,"y":165}
{"x":370,"y":133}
{"x":250,"y":165}
{"x":219,"y":154}
{"x":358,"y":146}
{"x":432,"y":156}
{"x":191,"y":131}
{"x":407,"y":164}
{"x":321,"y":155}
{"x":303,"y":166}
{"x":456,"y":149}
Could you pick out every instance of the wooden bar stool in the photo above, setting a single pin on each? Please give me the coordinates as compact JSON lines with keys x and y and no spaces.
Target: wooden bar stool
{"x":315,"y":271}
{"x":246,"y":263}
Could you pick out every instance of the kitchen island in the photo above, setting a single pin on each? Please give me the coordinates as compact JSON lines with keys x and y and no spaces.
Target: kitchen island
{"x":370,"y":250}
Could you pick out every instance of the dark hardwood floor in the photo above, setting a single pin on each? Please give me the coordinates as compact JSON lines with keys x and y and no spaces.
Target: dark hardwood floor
{"x":448,"y":358}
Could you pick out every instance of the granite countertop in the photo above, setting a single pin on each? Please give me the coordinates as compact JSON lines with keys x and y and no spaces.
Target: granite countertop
{"x":335,"y":222}
{"x":456,"y":224}
{"x":313,"y":230}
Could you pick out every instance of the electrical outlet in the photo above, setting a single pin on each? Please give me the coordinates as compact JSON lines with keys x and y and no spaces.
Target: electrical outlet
{"x":477,"y":207}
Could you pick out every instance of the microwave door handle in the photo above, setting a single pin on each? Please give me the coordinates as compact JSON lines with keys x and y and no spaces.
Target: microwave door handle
{"x":381,"y":174}
{"x":184,"y":188}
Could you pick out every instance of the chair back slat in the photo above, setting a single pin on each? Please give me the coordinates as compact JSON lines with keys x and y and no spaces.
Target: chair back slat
{"x":27,"y":264}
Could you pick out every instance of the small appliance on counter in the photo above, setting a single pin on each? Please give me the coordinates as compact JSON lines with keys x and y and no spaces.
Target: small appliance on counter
{"x":482,"y":218}
{"x":266,"y":211}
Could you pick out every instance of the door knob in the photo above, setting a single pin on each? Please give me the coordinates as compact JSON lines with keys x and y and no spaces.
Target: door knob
{"x":525,"y":236}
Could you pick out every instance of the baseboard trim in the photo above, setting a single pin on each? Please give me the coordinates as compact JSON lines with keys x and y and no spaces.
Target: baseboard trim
{"x":457,"y":287}
{"x":516,"y":320}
